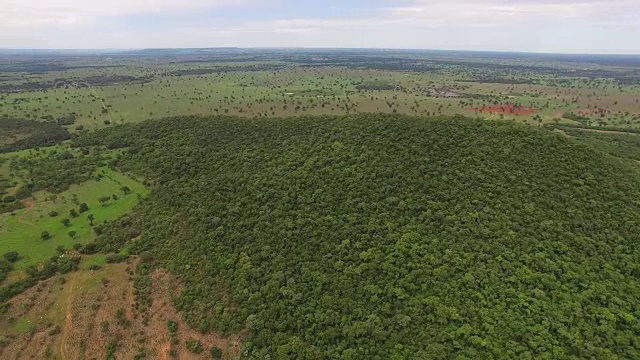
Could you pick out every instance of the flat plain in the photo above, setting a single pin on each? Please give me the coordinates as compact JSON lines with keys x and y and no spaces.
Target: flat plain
{"x":132,"y":87}
{"x":241,"y":203}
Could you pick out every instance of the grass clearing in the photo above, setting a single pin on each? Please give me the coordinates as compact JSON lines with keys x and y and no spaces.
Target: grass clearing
{"x":21,"y":231}
{"x":89,"y":262}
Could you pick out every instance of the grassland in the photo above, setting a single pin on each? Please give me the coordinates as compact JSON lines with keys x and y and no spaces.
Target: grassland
{"x":21,"y":231}
{"x":135,"y":89}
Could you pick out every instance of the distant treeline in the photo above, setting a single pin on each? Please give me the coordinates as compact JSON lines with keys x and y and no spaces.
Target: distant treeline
{"x":18,"y":134}
{"x":224,"y":69}
{"x":102,"y":80}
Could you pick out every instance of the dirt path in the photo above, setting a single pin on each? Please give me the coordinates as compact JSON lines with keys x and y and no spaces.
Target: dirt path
{"x":164,"y":352}
{"x":615,"y":132}
{"x":68,"y":317}
{"x":29,"y":205}
{"x":104,"y":106}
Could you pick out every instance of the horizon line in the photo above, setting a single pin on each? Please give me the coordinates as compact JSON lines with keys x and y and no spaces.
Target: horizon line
{"x":18,"y":50}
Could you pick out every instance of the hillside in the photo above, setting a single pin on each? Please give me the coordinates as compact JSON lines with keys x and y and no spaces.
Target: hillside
{"x":388,"y":237}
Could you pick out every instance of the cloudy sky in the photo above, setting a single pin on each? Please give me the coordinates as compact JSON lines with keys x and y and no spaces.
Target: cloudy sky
{"x":567,"y":26}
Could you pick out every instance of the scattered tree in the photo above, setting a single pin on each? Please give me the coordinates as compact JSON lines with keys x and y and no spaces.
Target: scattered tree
{"x":11,"y":256}
{"x":104,"y":199}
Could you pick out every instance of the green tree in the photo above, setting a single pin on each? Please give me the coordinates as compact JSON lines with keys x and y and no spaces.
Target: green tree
{"x":73,"y":213}
{"x":11,"y":256}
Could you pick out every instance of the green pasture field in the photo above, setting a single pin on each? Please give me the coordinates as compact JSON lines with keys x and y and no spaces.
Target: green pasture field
{"x":295,"y":90}
{"x":21,"y":231}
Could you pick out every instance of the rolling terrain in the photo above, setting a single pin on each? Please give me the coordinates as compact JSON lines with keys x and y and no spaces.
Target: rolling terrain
{"x":319,"y":204}
{"x":467,"y":238}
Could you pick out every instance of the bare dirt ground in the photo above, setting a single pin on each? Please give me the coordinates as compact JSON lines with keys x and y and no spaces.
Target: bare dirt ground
{"x":75,"y":318}
{"x":607,"y":131}
{"x":162,"y":311}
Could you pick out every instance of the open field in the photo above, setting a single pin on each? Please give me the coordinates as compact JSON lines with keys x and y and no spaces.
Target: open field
{"x":136,"y":87}
{"x":21,"y":230}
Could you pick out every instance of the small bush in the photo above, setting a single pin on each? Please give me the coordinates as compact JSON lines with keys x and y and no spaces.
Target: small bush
{"x":216,"y":353}
{"x":55,"y":331}
{"x":9,"y":199}
{"x":172,"y":326}
{"x":195,"y":346}
{"x":11,"y":256}
{"x":115,"y":258}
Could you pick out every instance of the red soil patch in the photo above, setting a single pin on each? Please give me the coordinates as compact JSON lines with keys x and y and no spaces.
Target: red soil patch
{"x":506,"y":109}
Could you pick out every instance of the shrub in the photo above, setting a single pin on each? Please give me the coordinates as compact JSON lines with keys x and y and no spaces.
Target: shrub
{"x":216,"y":353}
{"x":195,"y":346}
{"x":9,"y":199}
{"x":11,"y":256}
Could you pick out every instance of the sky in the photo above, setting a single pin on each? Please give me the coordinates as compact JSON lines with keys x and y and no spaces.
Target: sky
{"x":558,"y":26}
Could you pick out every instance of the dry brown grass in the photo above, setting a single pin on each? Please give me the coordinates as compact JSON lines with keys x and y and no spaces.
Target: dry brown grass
{"x":82,"y":305}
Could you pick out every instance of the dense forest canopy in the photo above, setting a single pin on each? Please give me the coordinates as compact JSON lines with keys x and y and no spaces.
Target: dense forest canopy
{"x":388,"y":237}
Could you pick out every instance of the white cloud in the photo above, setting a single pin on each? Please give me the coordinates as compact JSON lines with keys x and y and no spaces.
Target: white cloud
{"x":469,"y":12}
{"x":115,"y":7}
{"x":524,"y":25}
{"x":26,"y":14}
